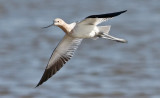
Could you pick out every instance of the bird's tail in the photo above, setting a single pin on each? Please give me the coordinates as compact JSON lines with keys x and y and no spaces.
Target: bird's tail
{"x":104,"y":29}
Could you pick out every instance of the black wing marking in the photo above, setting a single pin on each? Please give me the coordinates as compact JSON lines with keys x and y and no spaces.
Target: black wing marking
{"x":97,"y":19}
{"x":108,"y":15}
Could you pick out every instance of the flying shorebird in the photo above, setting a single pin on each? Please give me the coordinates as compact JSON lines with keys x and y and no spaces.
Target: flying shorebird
{"x":74,"y":34}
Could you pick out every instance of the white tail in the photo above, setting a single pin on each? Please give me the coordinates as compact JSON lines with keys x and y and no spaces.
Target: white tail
{"x":104,"y":29}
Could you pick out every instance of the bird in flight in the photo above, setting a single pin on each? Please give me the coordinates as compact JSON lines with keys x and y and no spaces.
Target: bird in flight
{"x":74,"y":34}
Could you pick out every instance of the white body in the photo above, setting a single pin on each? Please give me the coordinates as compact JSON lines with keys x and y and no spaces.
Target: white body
{"x":84,"y":31}
{"x":75,"y":33}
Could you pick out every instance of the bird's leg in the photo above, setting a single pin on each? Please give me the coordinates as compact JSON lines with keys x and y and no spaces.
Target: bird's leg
{"x":106,"y":36}
{"x":100,"y":35}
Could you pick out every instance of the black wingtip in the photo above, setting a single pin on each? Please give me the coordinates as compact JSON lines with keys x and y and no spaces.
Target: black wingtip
{"x":48,"y":73}
{"x":124,"y":11}
{"x":43,"y":79}
{"x":38,"y":84}
{"x":108,"y":15}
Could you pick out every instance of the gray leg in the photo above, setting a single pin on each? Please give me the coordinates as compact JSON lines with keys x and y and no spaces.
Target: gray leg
{"x":106,"y":36}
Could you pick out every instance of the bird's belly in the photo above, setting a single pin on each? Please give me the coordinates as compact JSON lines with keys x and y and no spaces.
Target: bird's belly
{"x":84,"y":31}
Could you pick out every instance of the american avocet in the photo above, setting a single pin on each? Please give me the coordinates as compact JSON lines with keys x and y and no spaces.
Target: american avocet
{"x":74,"y":34}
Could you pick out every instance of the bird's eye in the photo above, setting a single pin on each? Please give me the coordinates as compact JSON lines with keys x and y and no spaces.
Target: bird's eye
{"x":57,"y":21}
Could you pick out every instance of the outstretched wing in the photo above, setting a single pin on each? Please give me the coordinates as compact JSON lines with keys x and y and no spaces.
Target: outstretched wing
{"x":97,"y":19}
{"x":63,"y":52}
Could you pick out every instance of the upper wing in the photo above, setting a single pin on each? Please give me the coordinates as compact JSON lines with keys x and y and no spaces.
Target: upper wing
{"x":97,"y":19}
{"x":63,"y":52}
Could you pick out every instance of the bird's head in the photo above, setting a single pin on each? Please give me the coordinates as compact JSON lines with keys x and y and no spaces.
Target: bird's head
{"x":57,"y":22}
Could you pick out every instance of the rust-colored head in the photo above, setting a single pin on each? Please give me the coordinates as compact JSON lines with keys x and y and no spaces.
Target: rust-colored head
{"x":57,"y":22}
{"x":61,"y":24}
